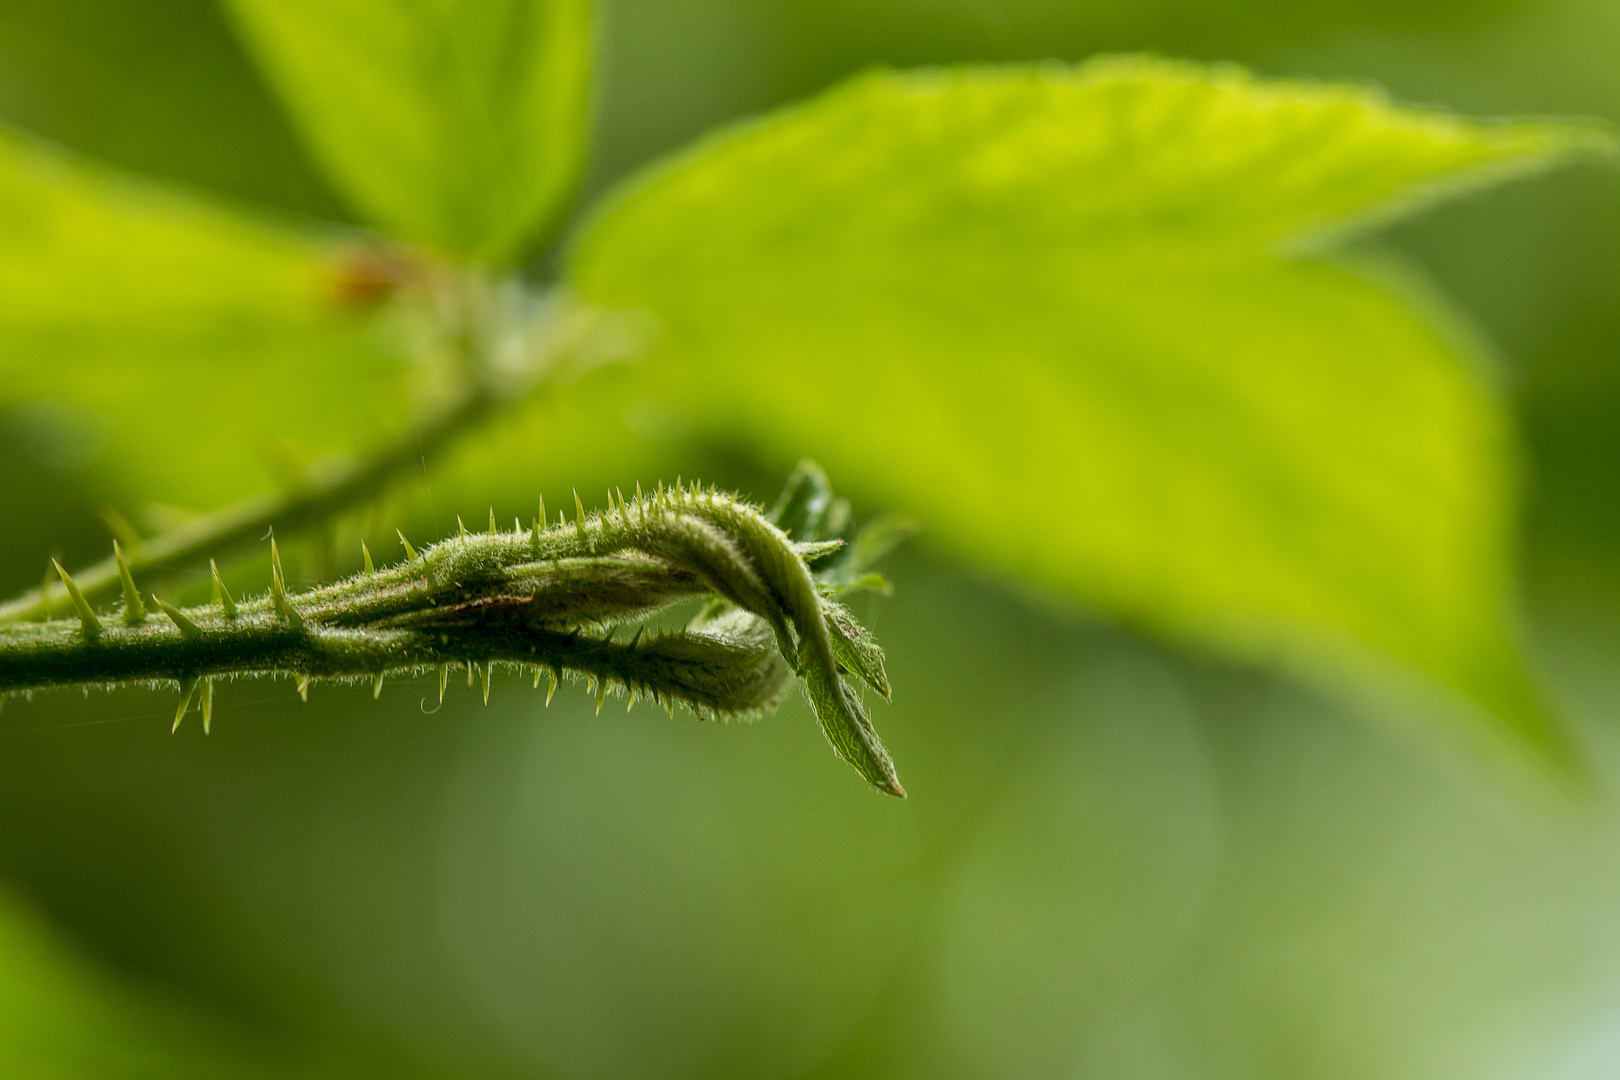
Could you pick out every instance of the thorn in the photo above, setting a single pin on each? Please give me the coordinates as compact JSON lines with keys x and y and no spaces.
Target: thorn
{"x":303,"y":686}
{"x":278,"y":597}
{"x":275,"y":560}
{"x":541,"y":520}
{"x":517,"y":525}
{"x":579,"y":515}
{"x":444,"y":677}
{"x":376,"y":687}
{"x":365,"y":554}
{"x":87,"y":616}
{"x":601,"y":695}
{"x":669,"y":706}
{"x":410,"y":552}
{"x":134,"y":609}
{"x":207,"y":705}
{"x":186,"y":627}
{"x":222,"y":595}
{"x":556,"y":680}
{"x":187,"y":689}
{"x":469,"y":674}
{"x":537,"y":676}
{"x":632,"y":702}
{"x":484,"y":674}
{"x":639,"y":631}
{"x":493,"y":528}
{"x":461,"y":530}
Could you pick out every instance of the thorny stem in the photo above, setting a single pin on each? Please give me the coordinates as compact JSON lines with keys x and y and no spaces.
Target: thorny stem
{"x":326,"y":489}
{"x":329,"y":488}
{"x":546,"y":600}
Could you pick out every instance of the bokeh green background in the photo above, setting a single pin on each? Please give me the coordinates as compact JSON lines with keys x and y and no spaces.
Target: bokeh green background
{"x":1118,"y":861}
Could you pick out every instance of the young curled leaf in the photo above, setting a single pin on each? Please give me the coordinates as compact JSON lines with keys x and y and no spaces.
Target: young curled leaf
{"x":812,"y":551}
{"x":881,"y":536}
{"x":803,"y":504}
{"x":857,"y":650}
{"x":836,"y":585}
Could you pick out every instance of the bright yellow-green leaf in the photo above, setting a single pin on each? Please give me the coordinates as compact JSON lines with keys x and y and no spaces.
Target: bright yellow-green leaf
{"x":460,"y":124}
{"x":1072,"y":315}
{"x":185,"y":342}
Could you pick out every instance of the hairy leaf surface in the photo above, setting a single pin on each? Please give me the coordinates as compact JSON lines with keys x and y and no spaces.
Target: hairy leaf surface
{"x":460,"y":124}
{"x":1080,"y":318}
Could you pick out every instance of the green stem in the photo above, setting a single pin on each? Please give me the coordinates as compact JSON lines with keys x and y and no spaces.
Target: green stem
{"x":572,"y":333}
{"x":326,"y":490}
{"x":542,"y":598}
{"x":711,"y":675}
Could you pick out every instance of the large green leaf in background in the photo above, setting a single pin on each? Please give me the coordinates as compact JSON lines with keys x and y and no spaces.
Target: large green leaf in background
{"x":1069,"y":314}
{"x":180,"y":339}
{"x":460,"y":124}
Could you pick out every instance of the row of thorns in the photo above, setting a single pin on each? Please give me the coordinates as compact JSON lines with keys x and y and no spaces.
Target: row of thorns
{"x":763,"y":576}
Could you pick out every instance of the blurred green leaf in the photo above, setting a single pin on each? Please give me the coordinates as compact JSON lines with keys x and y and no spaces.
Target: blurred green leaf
{"x":185,"y":339}
{"x":460,"y":124}
{"x":161,"y":87}
{"x":60,"y":1016}
{"x":1075,"y":316}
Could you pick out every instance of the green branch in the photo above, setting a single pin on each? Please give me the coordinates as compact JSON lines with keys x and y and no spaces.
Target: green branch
{"x":545,"y":600}
{"x":567,"y":337}
{"x":325,"y":490}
